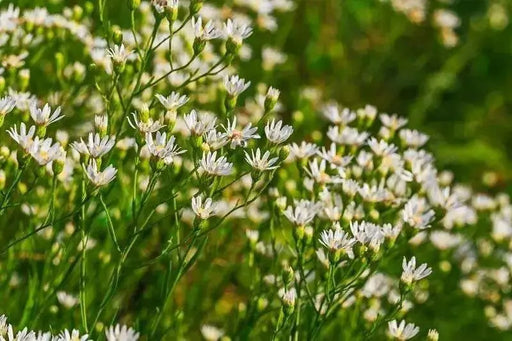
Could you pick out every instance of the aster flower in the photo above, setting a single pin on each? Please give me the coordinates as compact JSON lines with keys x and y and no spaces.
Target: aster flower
{"x":240,"y":137}
{"x":346,"y":136}
{"x":119,"y":54}
{"x":261,"y":162}
{"x":173,"y":101}
{"x":150,"y":126}
{"x":44,"y":116}
{"x":211,"y":333}
{"x":96,"y":145}
{"x":237,"y":32}
{"x":97,"y":177}
{"x":317,"y":171}
{"x":367,"y":234}
{"x":162,"y":148}
{"x":203,"y":210}
{"x":7,"y":104}
{"x":24,"y":137}
{"x":208,"y":32}
{"x":74,"y":335}
{"x":121,"y":333}
{"x":331,"y":156}
{"x":417,"y":214}
{"x":411,"y":273}
{"x":215,"y":139}
{"x":303,"y":213}
{"x":413,"y":138}
{"x":303,"y":151}
{"x":276,"y":132}
{"x":336,"y":240}
{"x":67,"y":300}
{"x":215,"y":166}
{"x":342,"y":117}
{"x":235,"y":85}
{"x":402,"y":331}
{"x":381,"y":148}
{"x":393,"y":122}
{"x":44,"y":151}
{"x":199,"y":123}
{"x":288,"y":296}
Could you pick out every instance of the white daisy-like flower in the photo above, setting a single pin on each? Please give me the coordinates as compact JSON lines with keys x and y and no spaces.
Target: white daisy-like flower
{"x":413,"y":138}
{"x":44,"y":116}
{"x":417,"y":214}
{"x":215,"y":166}
{"x":203,"y":209}
{"x":235,"y":85}
{"x":303,"y":213}
{"x":303,"y":151}
{"x":261,"y":162}
{"x":411,"y":273}
{"x":288,"y":296}
{"x":393,"y":122}
{"x":331,"y":156}
{"x":45,"y":151}
{"x":402,"y":331}
{"x":149,"y":126}
{"x":173,"y":101}
{"x":237,"y":32}
{"x":215,"y":139}
{"x":211,"y":333}
{"x":337,"y":239}
{"x":67,"y":300}
{"x":96,"y":145}
{"x":119,"y":54}
{"x":381,"y":148}
{"x":199,"y":123}
{"x":7,"y":104}
{"x":208,"y":32}
{"x":121,"y":333}
{"x":276,"y":132}
{"x":318,"y":172}
{"x":240,"y":137}
{"x":162,"y":148}
{"x":97,"y":177}
{"x":337,"y":116}
{"x":24,"y":137}
{"x":74,"y":335}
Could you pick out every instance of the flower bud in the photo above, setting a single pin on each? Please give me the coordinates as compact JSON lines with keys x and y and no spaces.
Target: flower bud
{"x":2,"y":84}
{"x":101,"y":124}
{"x":432,"y":335}
{"x":271,"y":99}
{"x":288,"y":275}
{"x":198,"y":45}
{"x":24,"y":78}
{"x":133,"y":4}
{"x":117,"y":35}
{"x":2,"y":179}
{"x":230,"y":103}
{"x":195,"y":6}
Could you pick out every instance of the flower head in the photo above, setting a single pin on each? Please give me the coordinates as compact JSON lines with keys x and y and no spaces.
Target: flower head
{"x":121,"y":333}
{"x":276,"y":132}
{"x":411,"y":273}
{"x":162,"y":148}
{"x":97,"y":177}
{"x":203,"y":209}
{"x":216,"y":166}
{"x":402,"y":331}
{"x":261,"y":162}
{"x":96,"y":146}
{"x":235,"y":85}
{"x":44,"y":116}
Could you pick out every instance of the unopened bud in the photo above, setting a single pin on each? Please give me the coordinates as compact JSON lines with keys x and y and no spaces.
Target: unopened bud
{"x":117,"y":35}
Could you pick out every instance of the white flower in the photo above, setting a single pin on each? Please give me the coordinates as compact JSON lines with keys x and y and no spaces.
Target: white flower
{"x":337,"y":239}
{"x":412,"y":274}
{"x":416,"y":213}
{"x":237,"y":32}
{"x":208,"y":32}
{"x":288,"y":296}
{"x":149,"y":126}
{"x":173,"y":101}
{"x":402,"y":331}
{"x":303,"y":213}
{"x":235,"y":85}
{"x":215,"y":139}
{"x":332,"y":112}
{"x":392,"y":122}
{"x":97,"y":177}
{"x":24,"y":138}
{"x":74,"y":335}
{"x":44,"y":116}
{"x":346,"y":136}
{"x":413,"y":138}
{"x":7,"y":104}
{"x":381,"y":148}
{"x":96,"y":145}
{"x":3,"y":325}
{"x":273,"y":94}
{"x":67,"y":300}
{"x":44,"y":152}
{"x":162,"y":148}
{"x":199,"y":124}
{"x":119,"y":54}
{"x":276,"y":132}
{"x":302,"y":151}
{"x":211,"y":333}
{"x":213,"y":166}
{"x":333,"y":158}
{"x":203,"y":210}
{"x":121,"y":333}
{"x":261,"y":162}
{"x":161,"y":5}
{"x":367,"y":234}
{"x":240,"y":137}
{"x":317,"y":171}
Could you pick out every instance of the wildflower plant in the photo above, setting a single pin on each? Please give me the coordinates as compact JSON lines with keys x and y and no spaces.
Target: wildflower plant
{"x":149,"y":191}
